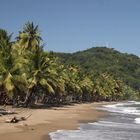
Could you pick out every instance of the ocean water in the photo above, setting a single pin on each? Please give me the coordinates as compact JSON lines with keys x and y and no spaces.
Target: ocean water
{"x":123,"y":123}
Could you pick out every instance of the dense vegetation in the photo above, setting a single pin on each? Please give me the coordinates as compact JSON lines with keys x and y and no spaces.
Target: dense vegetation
{"x":29,"y":75}
{"x":98,"y":60}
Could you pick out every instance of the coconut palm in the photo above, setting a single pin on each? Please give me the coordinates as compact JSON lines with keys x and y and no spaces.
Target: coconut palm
{"x":72,"y":83}
{"x":11,"y":67}
{"x":42,"y":76}
{"x":87,"y":87}
{"x":30,"y":36}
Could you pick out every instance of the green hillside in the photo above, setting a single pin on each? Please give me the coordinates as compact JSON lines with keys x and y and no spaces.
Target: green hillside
{"x":97,"y":60}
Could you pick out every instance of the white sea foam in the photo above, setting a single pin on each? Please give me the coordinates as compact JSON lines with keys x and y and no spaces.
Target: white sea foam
{"x":102,"y":130}
{"x":72,"y":135}
{"x":137,"y":103}
{"x":116,"y":127}
{"x":137,"y":120}
{"x":134,"y":102}
{"x":124,"y":108}
{"x":114,"y":124}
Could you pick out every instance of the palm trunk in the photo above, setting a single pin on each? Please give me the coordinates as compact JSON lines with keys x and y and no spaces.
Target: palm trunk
{"x":27,"y":98}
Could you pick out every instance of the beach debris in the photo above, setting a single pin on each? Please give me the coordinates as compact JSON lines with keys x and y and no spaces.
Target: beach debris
{"x":17,"y":119}
{"x":24,"y":124}
{"x":6,"y":112}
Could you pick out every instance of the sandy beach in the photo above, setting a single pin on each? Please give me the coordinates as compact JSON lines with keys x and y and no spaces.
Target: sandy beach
{"x":43,"y":121}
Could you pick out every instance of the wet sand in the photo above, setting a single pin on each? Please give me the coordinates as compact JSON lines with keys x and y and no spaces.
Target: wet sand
{"x":43,"y":121}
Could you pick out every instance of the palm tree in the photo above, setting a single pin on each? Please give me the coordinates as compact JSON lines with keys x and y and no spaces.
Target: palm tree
{"x":41,"y":72}
{"x":30,"y":36}
{"x":11,"y":67}
{"x":4,"y":36}
{"x":42,"y":75}
{"x":72,"y":82}
{"x":87,"y":88}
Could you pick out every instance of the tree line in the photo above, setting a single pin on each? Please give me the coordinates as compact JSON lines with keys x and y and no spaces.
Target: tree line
{"x":30,"y":75}
{"x":97,"y":60}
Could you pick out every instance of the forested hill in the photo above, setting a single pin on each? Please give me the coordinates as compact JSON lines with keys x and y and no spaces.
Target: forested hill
{"x":101,"y":59}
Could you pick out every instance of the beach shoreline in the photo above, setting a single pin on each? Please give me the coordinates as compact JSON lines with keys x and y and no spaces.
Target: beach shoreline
{"x":44,"y":121}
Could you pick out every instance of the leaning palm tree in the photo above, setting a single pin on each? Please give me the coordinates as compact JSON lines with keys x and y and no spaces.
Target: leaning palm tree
{"x":5,"y":47}
{"x":11,"y":67}
{"x":41,"y":75}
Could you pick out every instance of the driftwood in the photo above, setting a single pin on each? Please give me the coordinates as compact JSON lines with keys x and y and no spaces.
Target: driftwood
{"x":4,"y":112}
{"x":17,"y":119}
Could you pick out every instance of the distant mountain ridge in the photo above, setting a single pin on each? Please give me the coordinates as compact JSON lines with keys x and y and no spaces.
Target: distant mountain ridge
{"x":97,"y":60}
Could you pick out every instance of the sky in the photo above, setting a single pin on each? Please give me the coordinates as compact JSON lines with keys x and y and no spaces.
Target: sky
{"x":75,"y":25}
